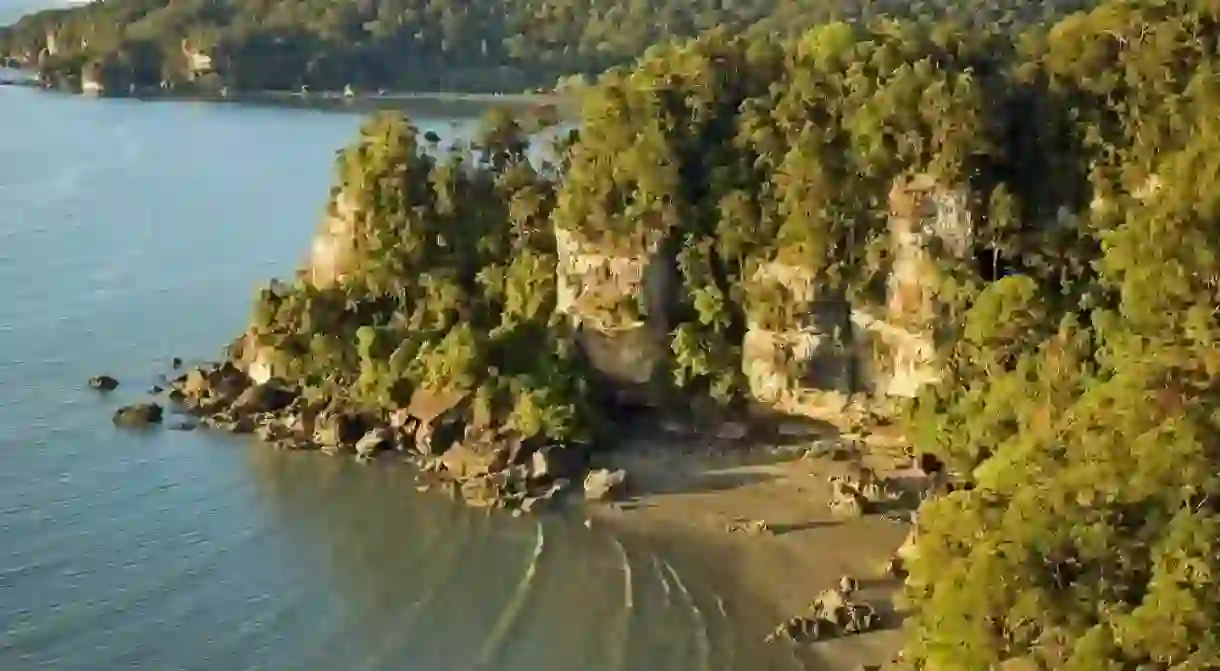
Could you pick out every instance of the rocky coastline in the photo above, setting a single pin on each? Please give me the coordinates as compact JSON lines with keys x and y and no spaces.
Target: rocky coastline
{"x":435,"y":433}
{"x":455,"y":455}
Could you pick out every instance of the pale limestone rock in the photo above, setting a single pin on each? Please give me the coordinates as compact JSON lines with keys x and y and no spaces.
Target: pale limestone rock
{"x":921,"y":212}
{"x":592,"y":285}
{"x":332,"y":253}
{"x":787,"y":364}
{"x":90,"y":84}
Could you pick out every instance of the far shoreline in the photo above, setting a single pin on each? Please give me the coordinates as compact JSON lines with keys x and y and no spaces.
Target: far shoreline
{"x":686,"y":495}
{"x":563,"y":103}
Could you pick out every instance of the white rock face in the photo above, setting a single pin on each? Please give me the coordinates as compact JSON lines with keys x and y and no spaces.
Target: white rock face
{"x":591,"y":283}
{"x":922,"y":213}
{"x":786,"y":364}
{"x":332,"y":253}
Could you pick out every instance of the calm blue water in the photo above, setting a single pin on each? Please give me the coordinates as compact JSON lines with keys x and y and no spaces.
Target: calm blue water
{"x":134,"y":232}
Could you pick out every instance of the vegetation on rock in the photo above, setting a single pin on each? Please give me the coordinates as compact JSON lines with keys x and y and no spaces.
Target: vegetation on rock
{"x":1079,"y":409}
{"x":430,"y":45}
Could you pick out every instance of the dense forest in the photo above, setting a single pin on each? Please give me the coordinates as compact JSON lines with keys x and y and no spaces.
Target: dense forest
{"x":417,"y":45}
{"x":1079,"y":414}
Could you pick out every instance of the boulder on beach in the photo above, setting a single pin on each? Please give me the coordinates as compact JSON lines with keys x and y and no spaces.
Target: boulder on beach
{"x":602,"y":484}
{"x":831,"y":615}
{"x":139,"y":414}
{"x":103,"y":383}
{"x":374,"y":440}
{"x":553,"y":462}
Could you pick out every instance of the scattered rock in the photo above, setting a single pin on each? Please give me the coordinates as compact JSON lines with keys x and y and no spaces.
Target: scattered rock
{"x":845,"y":501}
{"x":270,"y":396}
{"x":474,"y":458}
{"x":831,"y":614}
{"x":372,"y":441}
{"x":139,"y":414}
{"x":336,"y":431}
{"x":751,"y":527}
{"x":176,"y":363}
{"x":155,"y":389}
{"x":435,"y":438}
{"x":195,"y":384}
{"x":853,"y":494}
{"x":553,"y":462}
{"x":103,"y":383}
{"x":602,"y":484}
{"x":848,"y":585}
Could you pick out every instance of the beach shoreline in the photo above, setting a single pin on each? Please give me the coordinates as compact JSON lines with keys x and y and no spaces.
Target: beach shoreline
{"x":325,"y":100}
{"x":688,"y":498}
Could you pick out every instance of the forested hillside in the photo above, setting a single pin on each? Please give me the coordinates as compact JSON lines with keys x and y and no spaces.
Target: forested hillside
{"x":1079,"y":412}
{"x":465,"y":45}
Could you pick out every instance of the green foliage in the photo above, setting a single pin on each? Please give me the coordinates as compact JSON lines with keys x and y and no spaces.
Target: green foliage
{"x":1079,"y":410}
{"x":1087,"y":536}
{"x":433,"y":45}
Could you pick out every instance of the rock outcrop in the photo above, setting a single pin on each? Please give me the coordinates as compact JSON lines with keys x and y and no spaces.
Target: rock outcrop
{"x":820,"y":351}
{"x":833,"y":614}
{"x":333,"y":251}
{"x":139,"y":414}
{"x":437,"y":432}
{"x":618,"y":302}
{"x":926,"y":219}
{"x":103,"y":383}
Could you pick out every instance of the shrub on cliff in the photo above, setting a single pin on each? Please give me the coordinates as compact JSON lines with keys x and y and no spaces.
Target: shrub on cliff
{"x":1086,"y":534}
{"x":450,"y":286}
{"x":1079,"y":406}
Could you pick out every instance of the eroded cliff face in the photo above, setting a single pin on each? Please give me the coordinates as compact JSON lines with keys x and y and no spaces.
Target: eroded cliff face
{"x":923,"y":217}
{"x":800,"y":362}
{"x":819,"y":359}
{"x":333,"y":250}
{"x":618,"y":301}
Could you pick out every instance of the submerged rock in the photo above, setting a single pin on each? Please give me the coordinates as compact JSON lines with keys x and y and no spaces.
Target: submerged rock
{"x":103,"y":383}
{"x":139,"y":414}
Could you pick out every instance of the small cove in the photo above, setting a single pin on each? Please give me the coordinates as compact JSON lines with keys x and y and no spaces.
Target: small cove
{"x":133,"y":232}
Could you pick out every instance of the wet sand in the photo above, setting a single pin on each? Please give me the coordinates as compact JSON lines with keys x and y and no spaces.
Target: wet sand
{"x":687,"y":496}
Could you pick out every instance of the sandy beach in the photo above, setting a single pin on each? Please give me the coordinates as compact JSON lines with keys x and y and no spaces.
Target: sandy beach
{"x":692,"y":493}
